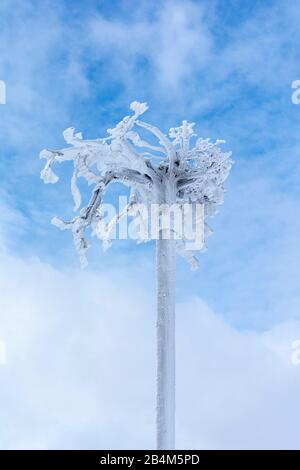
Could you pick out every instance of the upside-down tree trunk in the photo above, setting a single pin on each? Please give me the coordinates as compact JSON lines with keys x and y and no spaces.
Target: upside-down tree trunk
{"x":165,"y":406}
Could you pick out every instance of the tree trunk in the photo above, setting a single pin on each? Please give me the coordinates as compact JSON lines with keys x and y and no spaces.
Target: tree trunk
{"x":165,"y":406}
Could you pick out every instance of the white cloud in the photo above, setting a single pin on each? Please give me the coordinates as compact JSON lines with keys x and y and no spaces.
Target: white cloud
{"x":41,"y":66}
{"x":80,"y":369}
{"x":173,"y":41}
{"x":191,"y":51}
{"x":158,"y":54}
{"x":237,"y":390}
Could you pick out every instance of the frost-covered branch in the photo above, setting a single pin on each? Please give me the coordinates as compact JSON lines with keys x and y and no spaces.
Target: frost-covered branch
{"x":171,"y":170}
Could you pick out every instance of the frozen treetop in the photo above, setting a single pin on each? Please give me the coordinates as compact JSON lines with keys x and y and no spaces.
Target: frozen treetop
{"x":162,"y":169}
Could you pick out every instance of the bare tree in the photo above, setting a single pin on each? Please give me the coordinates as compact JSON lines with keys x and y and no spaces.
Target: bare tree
{"x":162,"y":170}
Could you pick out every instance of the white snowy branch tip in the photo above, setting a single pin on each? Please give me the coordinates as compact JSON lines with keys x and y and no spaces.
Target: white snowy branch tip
{"x":169,"y":171}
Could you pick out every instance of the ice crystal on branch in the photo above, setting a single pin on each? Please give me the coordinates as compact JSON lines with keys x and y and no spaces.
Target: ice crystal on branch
{"x":172,"y":171}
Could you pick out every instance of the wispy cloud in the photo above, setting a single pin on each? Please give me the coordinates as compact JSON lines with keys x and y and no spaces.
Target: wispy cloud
{"x":41,"y":68}
{"x":168,"y":46}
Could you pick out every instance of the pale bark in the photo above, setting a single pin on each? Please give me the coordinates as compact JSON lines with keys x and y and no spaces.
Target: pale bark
{"x":166,"y":269}
{"x":165,"y":411}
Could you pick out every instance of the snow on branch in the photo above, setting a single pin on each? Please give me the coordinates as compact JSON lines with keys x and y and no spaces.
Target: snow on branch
{"x":172,"y":171}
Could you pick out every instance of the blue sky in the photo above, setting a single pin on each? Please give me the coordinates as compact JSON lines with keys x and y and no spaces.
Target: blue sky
{"x":226,"y":65}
